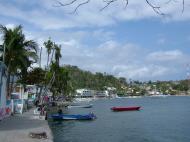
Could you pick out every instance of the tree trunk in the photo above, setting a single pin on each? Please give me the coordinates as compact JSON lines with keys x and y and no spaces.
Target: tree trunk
{"x":12,"y":83}
{"x":8,"y":86}
{"x":52,"y":55}
{"x":40,"y":56}
{"x":47,"y":61}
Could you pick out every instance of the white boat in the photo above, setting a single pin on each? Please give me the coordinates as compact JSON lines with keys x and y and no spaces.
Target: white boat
{"x":159,"y":96}
{"x":80,"y":106}
{"x":82,"y":100}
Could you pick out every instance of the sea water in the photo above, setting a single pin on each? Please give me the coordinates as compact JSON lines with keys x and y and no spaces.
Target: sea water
{"x":161,"y":119}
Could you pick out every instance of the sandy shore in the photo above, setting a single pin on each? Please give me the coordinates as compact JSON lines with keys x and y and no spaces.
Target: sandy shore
{"x":17,"y":128}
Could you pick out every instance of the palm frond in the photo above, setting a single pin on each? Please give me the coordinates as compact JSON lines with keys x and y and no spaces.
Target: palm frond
{"x":31,"y":45}
{"x":32,"y":56}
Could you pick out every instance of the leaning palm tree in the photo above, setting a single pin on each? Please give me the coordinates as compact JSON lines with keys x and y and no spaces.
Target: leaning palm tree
{"x":19,"y":52}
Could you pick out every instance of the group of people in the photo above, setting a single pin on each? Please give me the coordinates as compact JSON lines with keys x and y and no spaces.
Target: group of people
{"x":42,"y":100}
{"x":41,"y":107}
{"x":42,"y":103}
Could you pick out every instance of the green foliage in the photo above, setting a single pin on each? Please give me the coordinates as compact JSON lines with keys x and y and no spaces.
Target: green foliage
{"x":49,"y":46}
{"x":34,"y":76}
{"x":60,"y":85}
{"x":97,"y":81}
{"x":19,"y":52}
{"x":182,"y":86}
{"x":57,"y":53}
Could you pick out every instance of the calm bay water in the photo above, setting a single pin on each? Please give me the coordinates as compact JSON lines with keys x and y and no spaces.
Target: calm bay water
{"x":160,"y":120}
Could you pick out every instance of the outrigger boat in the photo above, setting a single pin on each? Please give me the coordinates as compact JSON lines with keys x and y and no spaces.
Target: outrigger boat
{"x":130,"y":108}
{"x":89,"y":116}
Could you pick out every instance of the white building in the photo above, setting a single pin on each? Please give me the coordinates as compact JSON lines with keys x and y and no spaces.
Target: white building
{"x":19,"y":92}
{"x":84,"y":93}
{"x":19,"y":97}
{"x":101,"y":94}
{"x":111,"y":91}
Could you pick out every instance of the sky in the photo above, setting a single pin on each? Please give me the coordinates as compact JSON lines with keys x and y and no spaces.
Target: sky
{"x":132,"y":42}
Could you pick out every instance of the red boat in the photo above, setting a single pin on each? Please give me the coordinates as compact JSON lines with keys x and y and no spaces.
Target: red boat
{"x":130,"y":108}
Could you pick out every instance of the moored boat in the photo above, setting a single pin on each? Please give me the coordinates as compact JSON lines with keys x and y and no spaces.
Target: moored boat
{"x":130,"y":108}
{"x":89,"y":116}
{"x":80,"y":106}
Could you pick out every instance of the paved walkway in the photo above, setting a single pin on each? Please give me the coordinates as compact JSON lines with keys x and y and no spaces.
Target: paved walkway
{"x":17,"y":128}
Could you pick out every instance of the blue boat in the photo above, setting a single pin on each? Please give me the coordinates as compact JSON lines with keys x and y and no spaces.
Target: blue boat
{"x":89,"y":116}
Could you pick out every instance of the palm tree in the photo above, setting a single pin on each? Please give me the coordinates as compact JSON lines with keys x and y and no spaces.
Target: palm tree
{"x":49,"y":46}
{"x":19,"y":52}
{"x":57,"y":53}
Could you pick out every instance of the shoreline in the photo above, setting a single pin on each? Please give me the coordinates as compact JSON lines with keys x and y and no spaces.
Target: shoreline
{"x":17,"y":128}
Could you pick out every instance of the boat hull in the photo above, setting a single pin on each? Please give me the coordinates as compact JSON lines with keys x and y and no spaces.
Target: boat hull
{"x":132,"y":108}
{"x":80,"y":106}
{"x":90,"y":116}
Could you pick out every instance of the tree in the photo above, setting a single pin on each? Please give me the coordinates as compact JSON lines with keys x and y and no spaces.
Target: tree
{"x":56,"y":77}
{"x":34,"y":76}
{"x":123,"y":80}
{"x":60,"y":85}
{"x":49,"y":46}
{"x":78,"y":3}
{"x":57,"y":53}
{"x":19,"y":52}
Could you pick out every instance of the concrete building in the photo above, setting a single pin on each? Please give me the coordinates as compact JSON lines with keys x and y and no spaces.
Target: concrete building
{"x":102,"y":94}
{"x":84,"y":93}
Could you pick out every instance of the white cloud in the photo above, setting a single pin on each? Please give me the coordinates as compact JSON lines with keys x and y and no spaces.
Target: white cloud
{"x":71,"y":42}
{"x":103,"y":35}
{"x":10,"y":26}
{"x":122,"y":60}
{"x":107,"y":53}
{"x":41,"y":13}
{"x":163,"y":56}
{"x":141,"y":71}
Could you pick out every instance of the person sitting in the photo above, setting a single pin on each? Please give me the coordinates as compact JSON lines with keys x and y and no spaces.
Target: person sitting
{"x":60,"y":112}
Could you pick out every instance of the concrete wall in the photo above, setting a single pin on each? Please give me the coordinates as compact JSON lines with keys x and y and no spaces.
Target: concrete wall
{"x":5,"y":109}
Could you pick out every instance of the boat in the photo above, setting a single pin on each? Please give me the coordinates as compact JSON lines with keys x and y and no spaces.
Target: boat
{"x":80,"y":106}
{"x":130,"y":108}
{"x":89,"y":116}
